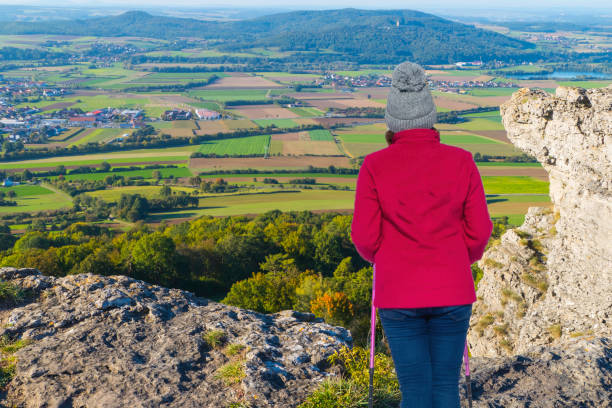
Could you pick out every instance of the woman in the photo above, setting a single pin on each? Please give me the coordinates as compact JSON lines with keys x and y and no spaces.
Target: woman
{"x":421,"y":217}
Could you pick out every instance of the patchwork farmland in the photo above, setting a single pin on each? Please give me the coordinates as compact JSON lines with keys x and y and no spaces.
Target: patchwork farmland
{"x":295,"y":126}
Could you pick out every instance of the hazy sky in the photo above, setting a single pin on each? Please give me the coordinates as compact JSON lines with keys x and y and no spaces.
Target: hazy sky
{"x":303,"y":4}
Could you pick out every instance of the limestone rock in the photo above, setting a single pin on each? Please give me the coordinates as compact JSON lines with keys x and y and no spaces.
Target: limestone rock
{"x":579,"y":374}
{"x":550,"y":280}
{"x":119,"y":342}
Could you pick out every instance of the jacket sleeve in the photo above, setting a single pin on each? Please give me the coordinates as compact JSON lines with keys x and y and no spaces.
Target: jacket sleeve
{"x":477,"y":225}
{"x":367,"y":217}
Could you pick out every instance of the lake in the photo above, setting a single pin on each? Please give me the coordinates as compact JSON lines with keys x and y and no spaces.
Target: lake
{"x":567,"y":75}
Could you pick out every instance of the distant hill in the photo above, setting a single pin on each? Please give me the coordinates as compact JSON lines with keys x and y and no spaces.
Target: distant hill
{"x":364,"y":36}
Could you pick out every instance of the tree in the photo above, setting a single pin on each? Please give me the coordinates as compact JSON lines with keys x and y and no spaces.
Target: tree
{"x":105,"y":166}
{"x":334,"y":307}
{"x":154,"y":256}
{"x":60,"y":170}
{"x":165,"y":191}
{"x":12,"y":193}
{"x":157,"y":175}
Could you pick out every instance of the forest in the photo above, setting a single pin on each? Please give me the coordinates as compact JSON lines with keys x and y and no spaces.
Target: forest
{"x":268,"y":263}
{"x":372,"y":36}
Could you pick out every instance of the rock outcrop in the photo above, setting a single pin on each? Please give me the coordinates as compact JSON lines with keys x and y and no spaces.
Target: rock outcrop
{"x":578,"y":374}
{"x":94,"y":341}
{"x":550,"y":280}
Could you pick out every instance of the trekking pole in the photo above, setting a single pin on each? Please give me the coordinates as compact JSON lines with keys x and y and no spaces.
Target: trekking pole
{"x":468,"y":383}
{"x":372,"y":340}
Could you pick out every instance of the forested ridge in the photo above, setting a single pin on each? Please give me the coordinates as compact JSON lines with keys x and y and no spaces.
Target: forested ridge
{"x":374,"y":36}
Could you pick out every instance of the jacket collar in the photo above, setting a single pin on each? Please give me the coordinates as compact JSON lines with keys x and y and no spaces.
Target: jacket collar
{"x":416,"y":135}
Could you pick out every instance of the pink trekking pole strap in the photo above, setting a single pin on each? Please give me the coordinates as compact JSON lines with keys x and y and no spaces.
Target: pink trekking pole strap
{"x":372,"y":341}
{"x":468,"y":383}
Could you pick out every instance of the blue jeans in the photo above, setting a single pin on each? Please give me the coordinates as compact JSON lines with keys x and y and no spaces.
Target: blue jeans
{"x":427,"y":348}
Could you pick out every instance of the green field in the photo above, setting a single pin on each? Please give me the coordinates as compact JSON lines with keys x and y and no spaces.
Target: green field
{"x":93,"y":102}
{"x":586,"y":84}
{"x":481,"y":123}
{"x":64,"y":136}
{"x":230,"y":95}
{"x":321,"y":135}
{"x":278,"y":123}
{"x":493,"y":91}
{"x":27,"y":190}
{"x":181,"y":153}
{"x":514,"y":185}
{"x":306,"y":112}
{"x":259,"y":202}
{"x":453,"y":139}
{"x":236,"y":146}
{"x":362,"y":138}
{"x":101,"y":135}
{"x":33,"y":199}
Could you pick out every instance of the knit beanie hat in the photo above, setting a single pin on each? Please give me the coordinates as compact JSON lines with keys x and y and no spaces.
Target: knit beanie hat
{"x":409,"y":104}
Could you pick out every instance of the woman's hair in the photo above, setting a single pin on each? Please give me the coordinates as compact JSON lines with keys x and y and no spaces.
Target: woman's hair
{"x":389,"y":136}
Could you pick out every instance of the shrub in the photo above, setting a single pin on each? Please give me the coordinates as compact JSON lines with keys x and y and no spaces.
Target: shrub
{"x":334,"y":307}
{"x":10,"y":293}
{"x":351,"y":391}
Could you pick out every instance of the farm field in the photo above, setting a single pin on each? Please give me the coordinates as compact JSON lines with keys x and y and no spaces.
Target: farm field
{"x":223,"y":95}
{"x":249,"y":145}
{"x":306,"y":112}
{"x":101,"y":135}
{"x":341,"y":142}
{"x":261,"y":201}
{"x":180,"y":154}
{"x":310,"y":147}
{"x":277,"y":123}
{"x":320,"y":135}
{"x":24,"y":190}
{"x":266,"y":112}
{"x":32,"y":199}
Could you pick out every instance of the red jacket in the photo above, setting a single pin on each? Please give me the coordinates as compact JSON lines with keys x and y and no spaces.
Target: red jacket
{"x":421,"y":216}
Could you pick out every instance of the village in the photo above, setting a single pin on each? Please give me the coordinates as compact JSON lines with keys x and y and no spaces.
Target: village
{"x":21,"y":124}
